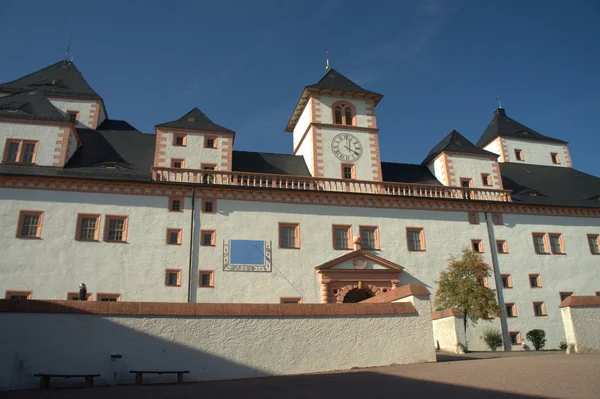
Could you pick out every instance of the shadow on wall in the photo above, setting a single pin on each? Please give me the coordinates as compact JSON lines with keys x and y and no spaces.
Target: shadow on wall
{"x":93,"y":340}
{"x":361,"y":384}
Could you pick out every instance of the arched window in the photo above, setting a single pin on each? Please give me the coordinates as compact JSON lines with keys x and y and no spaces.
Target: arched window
{"x":338,"y":115}
{"x":348,"y":114}
{"x":343,"y":113}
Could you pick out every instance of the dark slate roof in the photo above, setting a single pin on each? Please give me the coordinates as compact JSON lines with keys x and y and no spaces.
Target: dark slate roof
{"x":261,"y":162}
{"x":60,"y":79}
{"x":455,"y":142}
{"x":29,"y":105}
{"x":407,"y":173}
{"x":196,"y":120}
{"x":503,"y":126}
{"x":333,"y":80}
{"x":550,"y":185}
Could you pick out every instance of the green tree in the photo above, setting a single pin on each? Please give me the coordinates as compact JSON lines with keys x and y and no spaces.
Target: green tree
{"x":537,"y":338}
{"x":461,"y":287}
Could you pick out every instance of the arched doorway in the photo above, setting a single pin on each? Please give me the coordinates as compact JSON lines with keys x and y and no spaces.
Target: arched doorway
{"x":357,"y":295}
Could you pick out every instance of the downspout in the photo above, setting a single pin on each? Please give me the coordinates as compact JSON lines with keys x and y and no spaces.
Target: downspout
{"x":497,"y":278}
{"x":191,"y":245}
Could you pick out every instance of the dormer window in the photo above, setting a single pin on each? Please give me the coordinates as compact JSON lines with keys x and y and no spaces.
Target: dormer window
{"x":343,"y":114}
{"x":555,"y":158}
{"x":20,"y":151}
{"x":73,"y":117}
{"x":519,"y":155}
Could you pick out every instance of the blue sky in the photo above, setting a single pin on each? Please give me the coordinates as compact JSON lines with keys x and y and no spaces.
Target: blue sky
{"x":440,"y":64}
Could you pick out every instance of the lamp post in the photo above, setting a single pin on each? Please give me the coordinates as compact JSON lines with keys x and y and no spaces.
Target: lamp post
{"x":82,"y":292}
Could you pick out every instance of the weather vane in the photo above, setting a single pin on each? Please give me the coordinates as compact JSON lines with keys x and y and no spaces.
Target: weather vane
{"x":327,"y":67}
{"x":499,"y":104}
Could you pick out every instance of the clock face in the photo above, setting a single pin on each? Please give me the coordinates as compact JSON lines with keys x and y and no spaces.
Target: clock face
{"x":346,"y":147}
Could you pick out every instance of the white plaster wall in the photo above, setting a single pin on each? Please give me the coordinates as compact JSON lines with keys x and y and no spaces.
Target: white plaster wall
{"x":302,"y":124}
{"x":582,"y":328}
{"x":494,"y":146}
{"x":73,"y":144}
{"x":436,"y":168}
{"x":57,"y":263}
{"x":449,"y":334}
{"x":332,"y":166}
{"x":82,"y":106}
{"x":211,"y":348}
{"x":472,"y":167}
{"x":306,"y":150}
{"x":194,"y":152}
{"x":535,"y":152}
{"x":46,"y":135}
{"x":327,"y":114}
{"x":577,"y":271}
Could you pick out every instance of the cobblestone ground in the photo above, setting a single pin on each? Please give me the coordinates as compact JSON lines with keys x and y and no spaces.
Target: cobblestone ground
{"x":554,"y":375}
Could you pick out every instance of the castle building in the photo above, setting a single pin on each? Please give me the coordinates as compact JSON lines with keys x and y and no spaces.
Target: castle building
{"x":180,"y":216}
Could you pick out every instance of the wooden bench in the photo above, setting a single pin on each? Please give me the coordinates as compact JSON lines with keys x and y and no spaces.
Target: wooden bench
{"x":45,"y":378}
{"x":140,"y":373}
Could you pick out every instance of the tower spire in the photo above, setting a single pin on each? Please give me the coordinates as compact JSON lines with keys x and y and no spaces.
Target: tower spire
{"x":68,"y":47}
{"x":499,"y":104}
{"x":327,"y":67}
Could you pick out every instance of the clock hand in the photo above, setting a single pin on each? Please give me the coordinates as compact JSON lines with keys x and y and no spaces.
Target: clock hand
{"x":351,"y":150}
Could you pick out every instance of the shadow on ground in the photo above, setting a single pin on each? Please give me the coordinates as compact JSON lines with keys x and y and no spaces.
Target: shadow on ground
{"x":363,"y":384}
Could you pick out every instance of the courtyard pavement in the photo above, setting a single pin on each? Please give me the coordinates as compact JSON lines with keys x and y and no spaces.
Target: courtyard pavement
{"x":530,"y":375}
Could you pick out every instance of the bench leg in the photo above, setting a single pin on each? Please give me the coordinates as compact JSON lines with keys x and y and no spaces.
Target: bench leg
{"x":89,"y":381}
{"x":179,"y":378}
{"x":138,"y":378}
{"x":44,"y":382}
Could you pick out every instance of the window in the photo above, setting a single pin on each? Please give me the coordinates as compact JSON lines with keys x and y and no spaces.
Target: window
{"x":497,"y":219}
{"x":565,"y":294}
{"x":174,"y":236}
{"x":555,"y":158}
{"x":483,"y":282}
{"x":519,"y":155}
{"x":369,"y":236}
{"x":473,"y":218}
{"x":515,"y":337}
{"x":74,"y":296}
{"x":209,"y":206}
{"x":208,"y":178}
{"x":73,"y":116}
{"x":20,"y":151}
{"x":511,"y":310}
{"x":486,"y":179}
{"x":115,"y":228}
{"x":506,"y":281}
{"x":594,"y":243}
{"x":289,"y":235}
{"x":343,"y":114}
{"x":348,"y":171}
{"x":18,"y":295}
{"x":173,"y":278}
{"x":535,"y":281}
{"x":293,"y":300}
{"x":179,"y":140}
{"x":539,"y":243}
{"x":177,"y":163}
{"x":206,"y":278}
{"x":108,"y":297}
{"x":208,"y":237}
{"x":502,"y":246}
{"x":30,"y":224}
{"x":342,"y":236}
{"x":539,"y":309}
{"x":477,"y":245}
{"x":466,"y":182}
{"x":176,"y":204}
{"x":557,"y":244}
{"x":416,"y":238}
{"x":88,"y":227}
{"x":210,"y":142}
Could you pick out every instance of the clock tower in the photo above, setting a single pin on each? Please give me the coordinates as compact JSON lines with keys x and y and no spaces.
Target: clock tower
{"x":335,"y":129}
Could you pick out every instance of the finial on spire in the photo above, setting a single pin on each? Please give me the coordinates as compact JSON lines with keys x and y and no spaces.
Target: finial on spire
{"x":68,"y":47}
{"x":327,"y":67}
{"x":499,"y":104}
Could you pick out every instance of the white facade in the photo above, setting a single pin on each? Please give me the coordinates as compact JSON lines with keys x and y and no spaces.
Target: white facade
{"x":83,"y":107}
{"x":46,"y":136}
